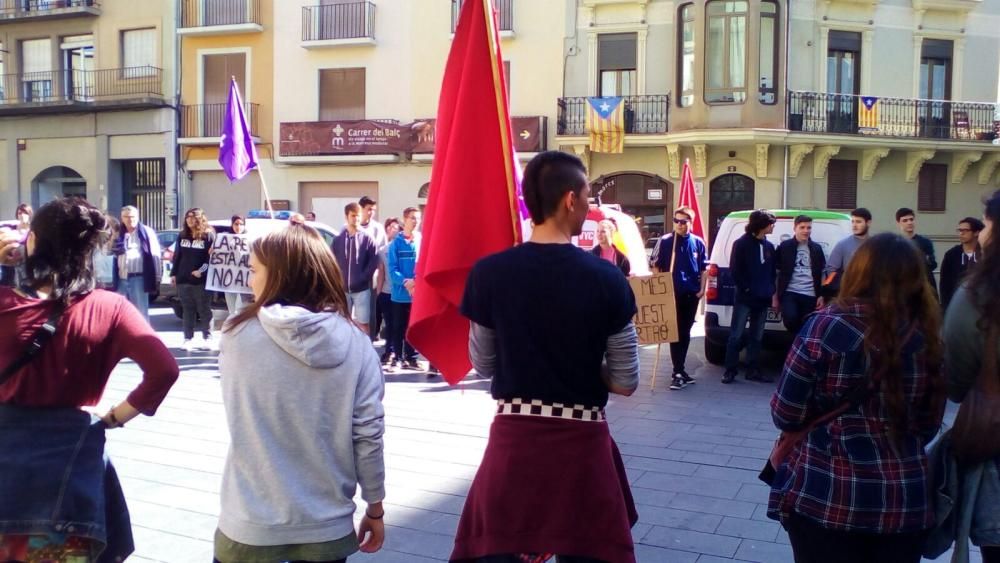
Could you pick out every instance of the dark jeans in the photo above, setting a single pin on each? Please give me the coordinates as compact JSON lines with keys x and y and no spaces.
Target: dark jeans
{"x":812,"y":543}
{"x":687,"y":310}
{"x":758,"y":316}
{"x":400,"y":320}
{"x":795,"y":307}
{"x":196,"y":309}
{"x":383,"y":313}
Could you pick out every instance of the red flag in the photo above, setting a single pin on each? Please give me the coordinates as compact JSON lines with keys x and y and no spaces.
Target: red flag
{"x":690,"y":199}
{"x":472,"y":206}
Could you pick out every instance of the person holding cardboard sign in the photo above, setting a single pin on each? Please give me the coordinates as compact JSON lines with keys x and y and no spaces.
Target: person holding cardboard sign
{"x":685,"y":255}
{"x":545,"y":315}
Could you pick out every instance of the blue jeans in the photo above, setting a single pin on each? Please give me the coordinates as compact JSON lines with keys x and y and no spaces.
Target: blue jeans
{"x":134,"y":290}
{"x":795,"y":308}
{"x":758,"y":316}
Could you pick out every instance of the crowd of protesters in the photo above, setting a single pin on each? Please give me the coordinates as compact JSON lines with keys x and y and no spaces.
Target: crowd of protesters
{"x":861,"y":395}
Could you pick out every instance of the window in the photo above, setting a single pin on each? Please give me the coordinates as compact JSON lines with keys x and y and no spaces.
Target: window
{"x":506,"y":80}
{"x":36,"y":69}
{"x":216,"y":73}
{"x":78,"y":64}
{"x":842,"y":184}
{"x":139,"y":52}
{"x":341,"y":94}
{"x":935,"y":69}
{"x":932,"y":187}
{"x":685,"y":50}
{"x":725,"y":72}
{"x":768,"y":56}
{"x":616,"y":64}
{"x":843,"y":61}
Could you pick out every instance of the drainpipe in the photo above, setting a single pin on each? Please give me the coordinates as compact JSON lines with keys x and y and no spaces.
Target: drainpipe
{"x":788,"y":42}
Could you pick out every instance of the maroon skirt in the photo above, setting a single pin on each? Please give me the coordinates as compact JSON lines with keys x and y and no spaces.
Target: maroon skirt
{"x":548,"y":485}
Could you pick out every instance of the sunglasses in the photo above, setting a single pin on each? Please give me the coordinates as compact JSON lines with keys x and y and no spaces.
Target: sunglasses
{"x":681,"y":221}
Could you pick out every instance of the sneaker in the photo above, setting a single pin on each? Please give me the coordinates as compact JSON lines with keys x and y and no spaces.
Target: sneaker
{"x":412,"y":364}
{"x":677,"y":383}
{"x":752,"y":375}
{"x":391,"y":367}
{"x":387,"y":358}
{"x":764,"y":377}
{"x":688,"y":380}
{"x":188,"y":344}
{"x":729,"y":376}
{"x":206,"y":342}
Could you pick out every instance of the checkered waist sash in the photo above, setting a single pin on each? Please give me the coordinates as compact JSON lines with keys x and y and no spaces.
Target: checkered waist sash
{"x":535,"y":407}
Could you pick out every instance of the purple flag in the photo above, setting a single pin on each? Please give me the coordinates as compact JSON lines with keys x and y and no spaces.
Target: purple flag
{"x":237,"y":153}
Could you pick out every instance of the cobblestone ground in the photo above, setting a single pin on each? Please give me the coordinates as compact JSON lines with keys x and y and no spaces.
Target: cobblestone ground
{"x":692,"y":458}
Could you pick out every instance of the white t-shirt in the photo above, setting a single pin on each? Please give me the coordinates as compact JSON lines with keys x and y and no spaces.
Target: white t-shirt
{"x":802,"y":275}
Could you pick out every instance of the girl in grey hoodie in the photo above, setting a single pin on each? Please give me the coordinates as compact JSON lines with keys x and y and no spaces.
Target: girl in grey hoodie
{"x":302,"y":389}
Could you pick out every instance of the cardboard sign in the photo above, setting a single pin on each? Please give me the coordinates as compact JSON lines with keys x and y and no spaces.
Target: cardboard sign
{"x":229,"y":264}
{"x":656,"y":316}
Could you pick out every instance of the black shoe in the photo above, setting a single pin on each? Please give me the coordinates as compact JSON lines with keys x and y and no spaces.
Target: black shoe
{"x":391,"y":367}
{"x":688,"y":380}
{"x":752,"y":375}
{"x":764,"y":377}
{"x":412,"y":364}
{"x":729,"y":376}
{"x":677,"y":383}
{"x":386,"y":358}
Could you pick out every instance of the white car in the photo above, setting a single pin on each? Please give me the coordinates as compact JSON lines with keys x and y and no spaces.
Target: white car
{"x":828,"y":229}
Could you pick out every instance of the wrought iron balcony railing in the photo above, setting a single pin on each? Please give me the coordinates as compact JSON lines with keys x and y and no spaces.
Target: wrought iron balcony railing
{"x":350,"y":20}
{"x":213,"y":13}
{"x":61,"y":86}
{"x":890,"y":117}
{"x":13,"y":9}
{"x":504,"y":8}
{"x":205,"y":120}
{"x":643,"y":115}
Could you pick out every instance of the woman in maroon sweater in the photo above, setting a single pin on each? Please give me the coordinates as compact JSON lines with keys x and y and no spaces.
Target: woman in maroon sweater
{"x":96,"y":330}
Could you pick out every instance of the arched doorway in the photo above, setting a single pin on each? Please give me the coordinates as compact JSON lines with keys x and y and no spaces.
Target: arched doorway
{"x":55,"y":182}
{"x":646,"y":197}
{"x":728,"y":193}
{"x":422,"y":194}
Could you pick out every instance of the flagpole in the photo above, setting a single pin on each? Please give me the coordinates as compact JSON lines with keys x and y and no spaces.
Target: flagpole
{"x":263,"y":186}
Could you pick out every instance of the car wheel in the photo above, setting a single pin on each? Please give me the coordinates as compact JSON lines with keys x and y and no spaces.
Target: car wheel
{"x":715,"y":352}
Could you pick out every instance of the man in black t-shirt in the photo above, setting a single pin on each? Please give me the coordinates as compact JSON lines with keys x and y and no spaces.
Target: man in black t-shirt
{"x":552,"y":326}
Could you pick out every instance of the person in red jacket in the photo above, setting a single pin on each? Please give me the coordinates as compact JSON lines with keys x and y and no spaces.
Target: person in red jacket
{"x":54,"y":461}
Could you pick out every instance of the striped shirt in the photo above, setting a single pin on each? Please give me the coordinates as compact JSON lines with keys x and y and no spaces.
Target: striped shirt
{"x":848,"y":475}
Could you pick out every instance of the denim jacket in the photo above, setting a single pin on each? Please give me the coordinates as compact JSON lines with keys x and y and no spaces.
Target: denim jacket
{"x":965,"y":502}
{"x":55,"y":478}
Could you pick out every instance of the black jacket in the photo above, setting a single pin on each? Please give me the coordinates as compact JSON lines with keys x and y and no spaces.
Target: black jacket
{"x":786,"y":255}
{"x":927,"y":249}
{"x":954,"y":266}
{"x":620,"y":260}
{"x":751,"y":264}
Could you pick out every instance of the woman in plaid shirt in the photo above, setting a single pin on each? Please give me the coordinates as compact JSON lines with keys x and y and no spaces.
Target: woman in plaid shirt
{"x":857,"y":489}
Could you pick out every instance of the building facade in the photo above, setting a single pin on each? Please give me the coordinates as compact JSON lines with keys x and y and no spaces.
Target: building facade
{"x":769,"y":102}
{"x":87,"y":91}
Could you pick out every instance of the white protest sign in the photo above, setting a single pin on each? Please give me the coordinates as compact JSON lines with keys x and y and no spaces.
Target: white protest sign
{"x":229,"y":264}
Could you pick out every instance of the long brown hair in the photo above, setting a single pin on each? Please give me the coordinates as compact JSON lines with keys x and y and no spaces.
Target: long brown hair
{"x":201,"y":227}
{"x":889,"y":277}
{"x":984,"y":280}
{"x":301,"y":271}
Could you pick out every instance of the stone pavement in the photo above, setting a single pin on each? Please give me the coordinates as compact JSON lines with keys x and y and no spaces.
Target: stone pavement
{"x":692,"y":457}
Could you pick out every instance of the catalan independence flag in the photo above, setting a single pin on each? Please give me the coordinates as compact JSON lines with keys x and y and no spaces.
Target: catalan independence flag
{"x":606,"y":124}
{"x":868,"y":114}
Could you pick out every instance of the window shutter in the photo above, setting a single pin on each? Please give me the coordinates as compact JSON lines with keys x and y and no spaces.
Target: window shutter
{"x":932,"y":187}
{"x":842,"y":184}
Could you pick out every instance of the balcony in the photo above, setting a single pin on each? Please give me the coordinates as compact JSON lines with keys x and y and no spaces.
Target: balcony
{"x":60,"y":91}
{"x":643,"y":115}
{"x":25,"y":10}
{"x":844,"y":114}
{"x":201,"y":124}
{"x":505,"y":15}
{"x":350,"y":23}
{"x":220,"y":17}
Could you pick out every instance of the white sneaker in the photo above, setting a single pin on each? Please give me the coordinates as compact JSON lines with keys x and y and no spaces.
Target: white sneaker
{"x":188,"y":344}
{"x":207,"y":342}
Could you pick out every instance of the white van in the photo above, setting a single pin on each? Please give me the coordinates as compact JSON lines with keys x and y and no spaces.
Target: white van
{"x":828,"y":229}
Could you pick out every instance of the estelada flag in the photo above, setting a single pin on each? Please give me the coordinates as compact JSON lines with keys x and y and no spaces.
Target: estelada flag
{"x":606,"y":124}
{"x":472,"y":208}
{"x":868,"y":113}
{"x":689,"y":198}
